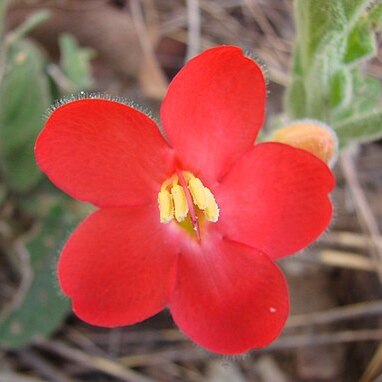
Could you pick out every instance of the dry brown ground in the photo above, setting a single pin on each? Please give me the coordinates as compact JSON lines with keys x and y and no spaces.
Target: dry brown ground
{"x":335,"y":329}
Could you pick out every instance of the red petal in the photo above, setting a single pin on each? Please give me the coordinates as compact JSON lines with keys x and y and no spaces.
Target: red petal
{"x":276,"y":199}
{"x":229,"y":298}
{"x":104,"y":152}
{"x":119,"y":266}
{"x":213,"y":110}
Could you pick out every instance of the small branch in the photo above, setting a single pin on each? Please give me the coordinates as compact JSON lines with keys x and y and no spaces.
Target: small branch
{"x":34,"y":360}
{"x":363,"y":208}
{"x":153,"y":79}
{"x":347,"y":239}
{"x":194,"y":28}
{"x":104,"y":365}
{"x":374,"y":368}
{"x":345,"y":336}
{"x":344,"y":259}
{"x":348,"y":312}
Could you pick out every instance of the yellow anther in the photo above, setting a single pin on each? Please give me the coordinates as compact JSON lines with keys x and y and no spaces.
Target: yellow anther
{"x":188,"y":176}
{"x":198,"y":193}
{"x":168,"y":183}
{"x":180,"y":202}
{"x":166,"y":206}
{"x":178,"y":195}
{"x":212,"y":210}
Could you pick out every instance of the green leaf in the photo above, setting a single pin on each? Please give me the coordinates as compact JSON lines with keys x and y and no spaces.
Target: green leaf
{"x":20,"y":170}
{"x":360,"y":128}
{"x":24,"y":99}
{"x":332,"y":36}
{"x":341,"y":88}
{"x":75,"y":63}
{"x":367,"y":92}
{"x":296,"y":99}
{"x":314,"y":20}
{"x":39,"y":309}
{"x":318,"y":80}
{"x":361,"y":43}
{"x":24,"y":95}
{"x":375,"y":16}
{"x":355,"y":8}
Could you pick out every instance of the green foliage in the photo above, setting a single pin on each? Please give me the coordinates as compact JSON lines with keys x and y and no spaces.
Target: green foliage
{"x":38,"y":308}
{"x":333,"y":37}
{"x":361,"y":42}
{"x":362,"y":127}
{"x":26,"y":92}
{"x":375,"y":16}
{"x":341,"y":89}
{"x":75,"y":63}
{"x":24,"y":98}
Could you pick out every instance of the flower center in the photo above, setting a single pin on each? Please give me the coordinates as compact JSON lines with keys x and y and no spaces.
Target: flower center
{"x":181,"y":194}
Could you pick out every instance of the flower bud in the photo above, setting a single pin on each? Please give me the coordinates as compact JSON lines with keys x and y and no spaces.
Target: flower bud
{"x":310,"y":135}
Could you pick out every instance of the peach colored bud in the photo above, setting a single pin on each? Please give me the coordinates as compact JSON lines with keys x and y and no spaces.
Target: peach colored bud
{"x":310,"y":135}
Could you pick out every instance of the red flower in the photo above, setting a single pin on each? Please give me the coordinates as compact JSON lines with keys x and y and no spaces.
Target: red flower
{"x":214,"y":270}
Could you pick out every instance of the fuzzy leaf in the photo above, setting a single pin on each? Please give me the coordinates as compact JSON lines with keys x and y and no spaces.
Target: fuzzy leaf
{"x":75,"y":63}
{"x":314,"y":20}
{"x":332,"y":35}
{"x":39,"y":309}
{"x":361,"y":43}
{"x":367,"y":92}
{"x":24,"y":98}
{"x":360,"y":128}
{"x":21,"y":172}
{"x":341,"y":88}
{"x":296,"y":99}
{"x":375,"y":16}
{"x":355,"y":8}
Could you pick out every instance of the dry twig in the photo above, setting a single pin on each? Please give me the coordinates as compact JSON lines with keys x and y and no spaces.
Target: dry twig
{"x":348,"y":312}
{"x":104,"y":365}
{"x":194,"y":28}
{"x":364,"y":211}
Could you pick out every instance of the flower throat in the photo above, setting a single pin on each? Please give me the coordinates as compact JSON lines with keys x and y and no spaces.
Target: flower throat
{"x":180,"y":194}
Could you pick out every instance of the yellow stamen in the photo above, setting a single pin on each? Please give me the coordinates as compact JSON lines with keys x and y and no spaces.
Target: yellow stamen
{"x":198,"y":193}
{"x":177,"y":198}
{"x":212,"y":210}
{"x":166,"y":206}
{"x":188,"y":176}
{"x":169,"y":182}
{"x":180,"y":202}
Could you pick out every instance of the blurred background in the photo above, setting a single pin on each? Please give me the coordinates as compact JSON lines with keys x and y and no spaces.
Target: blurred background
{"x":132,"y":48}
